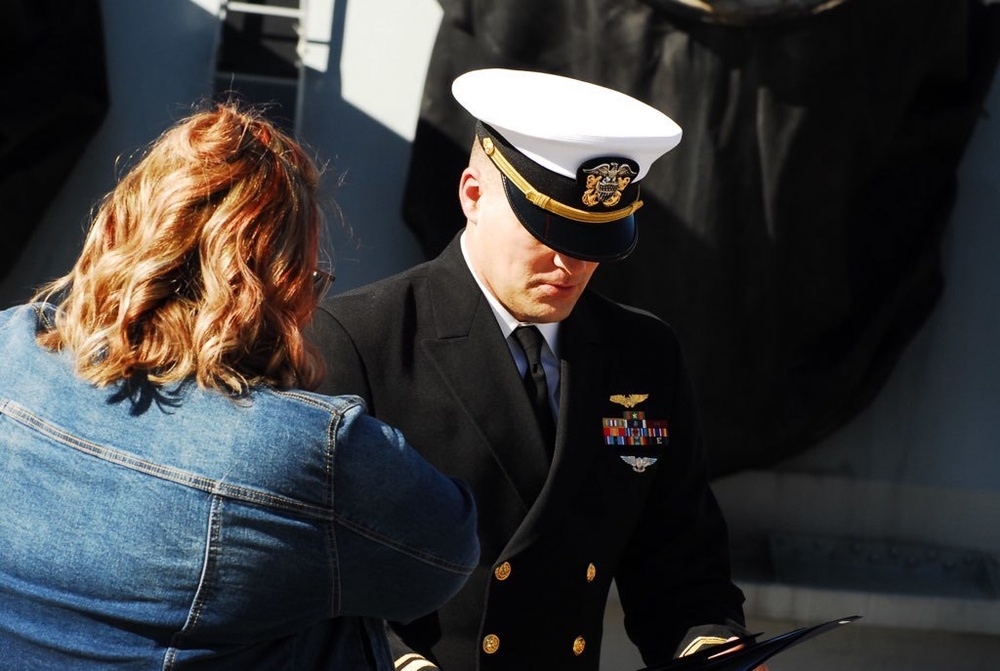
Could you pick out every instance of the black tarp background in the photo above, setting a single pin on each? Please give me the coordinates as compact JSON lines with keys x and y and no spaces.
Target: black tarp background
{"x":55,"y":95}
{"x":793,"y":238}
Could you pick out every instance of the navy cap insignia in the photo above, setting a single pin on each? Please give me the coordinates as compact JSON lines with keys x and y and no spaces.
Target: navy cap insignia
{"x":628,"y":400}
{"x":605,"y":181}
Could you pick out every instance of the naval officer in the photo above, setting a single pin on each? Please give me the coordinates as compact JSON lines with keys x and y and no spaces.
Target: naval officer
{"x":572,"y":417}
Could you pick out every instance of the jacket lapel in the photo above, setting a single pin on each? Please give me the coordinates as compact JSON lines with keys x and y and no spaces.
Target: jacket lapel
{"x":583,"y":354}
{"x":474,"y":361}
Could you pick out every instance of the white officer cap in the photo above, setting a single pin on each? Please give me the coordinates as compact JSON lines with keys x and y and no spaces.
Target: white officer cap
{"x":571,"y":155}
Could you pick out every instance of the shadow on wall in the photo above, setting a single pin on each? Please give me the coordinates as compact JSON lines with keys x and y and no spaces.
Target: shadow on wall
{"x":366,"y":170}
{"x":150,"y":83}
{"x":55,"y":89}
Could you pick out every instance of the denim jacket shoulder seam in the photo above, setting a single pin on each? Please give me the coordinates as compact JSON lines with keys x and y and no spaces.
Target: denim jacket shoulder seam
{"x":209,"y":563}
{"x":328,"y":497}
{"x":126,"y":460}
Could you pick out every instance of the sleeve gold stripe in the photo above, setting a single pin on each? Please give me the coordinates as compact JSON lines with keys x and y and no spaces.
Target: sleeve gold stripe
{"x":703,"y":642}
{"x":413,"y":662}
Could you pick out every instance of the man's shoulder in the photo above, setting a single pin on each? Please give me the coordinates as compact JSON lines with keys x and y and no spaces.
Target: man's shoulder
{"x":615,"y":315}
{"x":370,"y":300}
{"x":625,"y":328}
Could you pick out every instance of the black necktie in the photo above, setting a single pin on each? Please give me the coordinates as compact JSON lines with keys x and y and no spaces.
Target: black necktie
{"x":530,"y":339}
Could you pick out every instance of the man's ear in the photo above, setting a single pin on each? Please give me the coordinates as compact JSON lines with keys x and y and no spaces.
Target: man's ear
{"x":469,"y":192}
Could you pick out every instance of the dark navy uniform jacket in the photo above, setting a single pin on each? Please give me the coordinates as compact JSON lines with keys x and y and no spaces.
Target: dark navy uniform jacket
{"x":425,"y":350}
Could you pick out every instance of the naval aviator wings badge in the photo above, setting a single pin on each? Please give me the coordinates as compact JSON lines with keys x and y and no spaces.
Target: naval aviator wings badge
{"x":633,"y":429}
{"x":628,"y":400}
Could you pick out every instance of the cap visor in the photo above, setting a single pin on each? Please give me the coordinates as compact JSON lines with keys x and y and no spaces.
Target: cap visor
{"x":612,"y":241}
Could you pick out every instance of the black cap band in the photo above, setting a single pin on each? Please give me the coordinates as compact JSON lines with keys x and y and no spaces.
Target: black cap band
{"x":590,"y":217}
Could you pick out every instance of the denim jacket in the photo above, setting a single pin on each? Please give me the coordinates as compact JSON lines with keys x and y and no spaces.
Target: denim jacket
{"x":146,"y":528}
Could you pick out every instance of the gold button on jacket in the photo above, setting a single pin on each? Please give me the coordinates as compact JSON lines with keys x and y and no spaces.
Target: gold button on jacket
{"x":491,"y":644}
{"x":502,"y":572}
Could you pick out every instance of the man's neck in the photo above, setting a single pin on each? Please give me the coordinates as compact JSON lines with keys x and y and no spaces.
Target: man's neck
{"x":507,"y":321}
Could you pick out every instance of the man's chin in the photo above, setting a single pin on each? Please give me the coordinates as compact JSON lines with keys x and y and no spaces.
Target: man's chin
{"x":549,"y":312}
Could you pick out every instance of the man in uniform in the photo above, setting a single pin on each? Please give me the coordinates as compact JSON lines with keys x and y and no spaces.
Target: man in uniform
{"x":578,"y":434}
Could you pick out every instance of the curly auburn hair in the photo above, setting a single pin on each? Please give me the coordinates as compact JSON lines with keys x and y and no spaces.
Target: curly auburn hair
{"x":200,"y":263}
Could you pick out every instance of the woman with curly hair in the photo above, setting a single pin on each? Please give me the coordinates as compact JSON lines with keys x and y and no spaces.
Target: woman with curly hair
{"x":173,"y":497}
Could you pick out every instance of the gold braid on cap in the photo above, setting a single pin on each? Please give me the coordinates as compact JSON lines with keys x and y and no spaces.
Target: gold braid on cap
{"x":546,"y":202}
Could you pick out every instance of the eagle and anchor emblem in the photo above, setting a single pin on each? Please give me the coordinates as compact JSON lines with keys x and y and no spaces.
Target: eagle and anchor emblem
{"x":634,"y":429}
{"x":605,"y":182}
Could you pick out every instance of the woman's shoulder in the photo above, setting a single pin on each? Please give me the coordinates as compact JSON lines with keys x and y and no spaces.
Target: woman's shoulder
{"x":19,"y":327}
{"x":308,"y":413}
{"x":341,"y":405}
{"x":27,"y":318}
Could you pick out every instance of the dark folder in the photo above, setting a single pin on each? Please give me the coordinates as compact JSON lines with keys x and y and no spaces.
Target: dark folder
{"x":751,"y":655}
